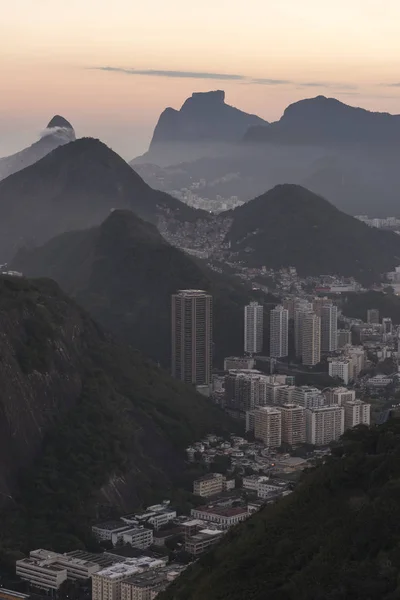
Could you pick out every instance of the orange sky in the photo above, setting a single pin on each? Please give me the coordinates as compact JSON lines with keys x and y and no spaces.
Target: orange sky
{"x":50,"y":53}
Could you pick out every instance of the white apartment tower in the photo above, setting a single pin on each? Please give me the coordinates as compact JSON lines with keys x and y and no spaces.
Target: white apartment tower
{"x":279,"y":331}
{"x":267,"y":426}
{"x":253,"y":328}
{"x":356,"y":413}
{"x":329,"y":339}
{"x":311,"y":339}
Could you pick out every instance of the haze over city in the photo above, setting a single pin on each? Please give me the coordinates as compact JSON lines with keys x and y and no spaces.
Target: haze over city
{"x":112,"y":69}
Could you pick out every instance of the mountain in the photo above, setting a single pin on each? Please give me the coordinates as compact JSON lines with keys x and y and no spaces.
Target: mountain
{"x":86,"y":424}
{"x":124,"y":273}
{"x":334,"y":538}
{"x":326,"y":120}
{"x":291,"y":226}
{"x":75,"y":187}
{"x":204,"y":124}
{"x":57,"y":133}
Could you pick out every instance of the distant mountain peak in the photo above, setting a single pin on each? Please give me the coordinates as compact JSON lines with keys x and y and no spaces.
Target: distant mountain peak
{"x":58,"y":121}
{"x":205,"y":98}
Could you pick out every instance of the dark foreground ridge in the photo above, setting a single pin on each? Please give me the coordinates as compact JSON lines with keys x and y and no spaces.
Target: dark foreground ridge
{"x":336,"y":537}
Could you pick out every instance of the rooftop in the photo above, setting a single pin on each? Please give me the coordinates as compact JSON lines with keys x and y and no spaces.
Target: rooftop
{"x":130,"y":567}
{"x":110,"y":525}
{"x":222,"y":511}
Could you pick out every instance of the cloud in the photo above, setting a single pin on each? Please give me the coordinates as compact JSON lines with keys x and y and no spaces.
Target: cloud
{"x":174,"y":74}
{"x":395,"y":85}
{"x":270,"y":81}
{"x":64,"y":133}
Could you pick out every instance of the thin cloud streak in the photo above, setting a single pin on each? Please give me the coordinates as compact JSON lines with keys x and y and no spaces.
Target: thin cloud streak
{"x":225,"y":77}
{"x":173,"y":74}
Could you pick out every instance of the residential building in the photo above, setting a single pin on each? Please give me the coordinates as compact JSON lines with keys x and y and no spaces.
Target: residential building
{"x":251,"y":482}
{"x":47,"y":570}
{"x":328,"y":328}
{"x":268,"y":488}
{"x":106,"y":531}
{"x":156,"y":515}
{"x":319,"y":303}
{"x":192,"y":337}
{"x":223,"y":517}
{"x":311,"y":339}
{"x":290,"y":305}
{"x":253,"y":328}
{"x":301,"y":309}
{"x":201,"y":541}
{"x":244,"y":390}
{"x":379,"y":381}
{"x":357,"y":356}
{"x":343,"y":337}
{"x":285,"y":394}
{"x":387,"y":325}
{"x":147,"y":585}
{"x":137,"y":537}
{"x":209,"y":485}
{"x":339,"y":395}
{"x":279,"y":331}
{"x":324,"y":425}
{"x":293,"y":424}
{"x":340,"y":368}
{"x":107,"y":583}
{"x":250,"y":420}
{"x":239,"y":362}
{"x":356,"y":413}
{"x":267,"y":426}
{"x":308,"y":397}
{"x":373,"y":316}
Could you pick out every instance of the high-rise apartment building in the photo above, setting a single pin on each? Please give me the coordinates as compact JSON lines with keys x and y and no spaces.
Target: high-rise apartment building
{"x":318,"y":304}
{"x":324,"y":425}
{"x":356,"y":413}
{"x":387,"y":326}
{"x":308,"y":397}
{"x":192,"y":337}
{"x":311,"y":339}
{"x":245,"y":390}
{"x":300,"y":309}
{"x":267,"y":426}
{"x":293,"y":424}
{"x":328,"y":327}
{"x":373,"y":316}
{"x":339,"y":395}
{"x":343,"y":337}
{"x":279,"y":331}
{"x":341,"y":368}
{"x":253,"y":328}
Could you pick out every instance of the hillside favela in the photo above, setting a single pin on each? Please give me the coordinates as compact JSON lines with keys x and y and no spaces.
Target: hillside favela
{"x":200,"y":300}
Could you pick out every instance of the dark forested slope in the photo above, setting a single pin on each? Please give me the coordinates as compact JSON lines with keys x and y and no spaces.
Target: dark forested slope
{"x":84,"y":422}
{"x":335,"y":538}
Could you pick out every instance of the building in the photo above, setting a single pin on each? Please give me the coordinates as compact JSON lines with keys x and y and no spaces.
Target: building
{"x":308,"y":397}
{"x":387,"y":326}
{"x":209,"y":485}
{"x":324,"y":425}
{"x":279,"y":332}
{"x":357,"y":356}
{"x":146,"y":586}
{"x":319,"y":303}
{"x":343,"y":337}
{"x":301,"y":308}
{"x":340,"y":368}
{"x":293,"y":424}
{"x":137,"y":537}
{"x":201,"y":541}
{"x":356,"y":413}
{"x":239,"y":362}
{"x":267,"y":426}
{"x":191,"y":322}
{"x":245,"y":390}
{"x":253,"y":328}
{"x":285,"y":394}
{"x":373,"y":316}
{"x":339,"y":395}
{"x":47,"y":570}
{"x":109,"y":529}
{"x":107,"y":583}
{"x":156,"y":515}
{"x":223,"y":517}
{"x":266,"y":489}
{"x":328,"y":328}
{"x":311,"y":339}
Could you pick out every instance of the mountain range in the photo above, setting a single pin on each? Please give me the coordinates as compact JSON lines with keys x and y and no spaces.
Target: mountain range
{"x":75,"y":187}
{"x":123,"y":272}
{"x":87,"y":424}
{"x":57,"y":133}
{"x":348,"y":155}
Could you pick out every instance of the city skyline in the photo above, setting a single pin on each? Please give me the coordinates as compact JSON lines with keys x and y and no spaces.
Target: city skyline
{"x":112,"y":72}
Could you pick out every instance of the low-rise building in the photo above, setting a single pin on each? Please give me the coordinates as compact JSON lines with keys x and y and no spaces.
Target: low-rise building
{"x":239,"y":362}
{"x":137,"y":537}
{"x":156,"y":515}
{"x":356,"y":413}
{"x":147,"y":586}
{"x":109,"y":530}
{"x":200,"y":542}
{"x":107,"y":583}
{"x":224,"y":518}
{"x":209,"y":485}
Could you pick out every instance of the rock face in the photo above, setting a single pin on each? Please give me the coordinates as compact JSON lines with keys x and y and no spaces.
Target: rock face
{"x":203,"y":117}
{"x":75,"y":187}
{"x":84,"y":421}
{"x":328,"y":121}
{"x":57,"y":133}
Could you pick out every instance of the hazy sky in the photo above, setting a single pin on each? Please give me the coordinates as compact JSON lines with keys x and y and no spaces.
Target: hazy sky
{"x":264,"y":53}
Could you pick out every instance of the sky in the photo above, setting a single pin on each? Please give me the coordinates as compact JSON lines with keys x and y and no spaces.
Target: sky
{"x":111,"y":67}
